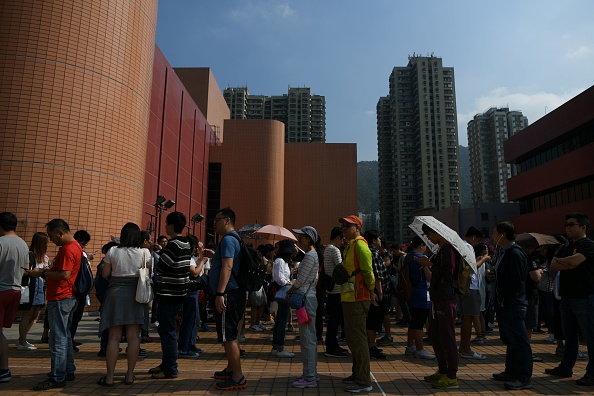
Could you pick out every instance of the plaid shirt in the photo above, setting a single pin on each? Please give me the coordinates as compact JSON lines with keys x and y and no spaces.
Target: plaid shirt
{"x":380,"y":271}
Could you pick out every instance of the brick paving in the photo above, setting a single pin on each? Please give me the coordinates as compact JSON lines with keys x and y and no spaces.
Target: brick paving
{"x":267,"y":375}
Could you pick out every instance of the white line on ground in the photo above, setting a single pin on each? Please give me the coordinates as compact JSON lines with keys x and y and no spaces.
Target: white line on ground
{"x":377,"y":383}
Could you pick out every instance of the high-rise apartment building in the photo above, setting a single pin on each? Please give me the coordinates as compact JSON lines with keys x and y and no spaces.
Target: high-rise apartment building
{"x":488,"y":170}
{"x":303,"y":114}
{"x":417,"y":144}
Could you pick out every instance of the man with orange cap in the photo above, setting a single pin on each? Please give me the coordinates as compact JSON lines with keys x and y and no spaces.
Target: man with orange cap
{"x":356,"y":295}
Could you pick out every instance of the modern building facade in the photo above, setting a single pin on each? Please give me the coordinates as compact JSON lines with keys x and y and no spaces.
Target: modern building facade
{"x":417,"y":144}
{"x":488,"y":170}
{"x":303,"y":114}
{"x":553,"y":158}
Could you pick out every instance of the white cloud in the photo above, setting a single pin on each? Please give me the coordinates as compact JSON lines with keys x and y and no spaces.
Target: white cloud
{"x":253,"y":11}
{"x":580,"y":52}
{"x":370,"y":113}
{"x":532,"y":105}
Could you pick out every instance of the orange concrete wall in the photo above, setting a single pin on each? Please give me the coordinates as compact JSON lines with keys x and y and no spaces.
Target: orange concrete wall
{"x":320,"y":185}
{"x":74,"y":112}
{"x":253,"y":178}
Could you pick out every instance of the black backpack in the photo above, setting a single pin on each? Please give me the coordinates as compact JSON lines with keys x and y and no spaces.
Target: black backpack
{"x":84,"y":279}
{"x":251,"y":275}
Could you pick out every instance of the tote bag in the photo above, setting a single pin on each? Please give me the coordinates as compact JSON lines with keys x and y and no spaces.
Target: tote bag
{"x":144,"y":291}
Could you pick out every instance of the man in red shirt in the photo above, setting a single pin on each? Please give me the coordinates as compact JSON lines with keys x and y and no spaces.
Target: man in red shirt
{"x":61,"y":303}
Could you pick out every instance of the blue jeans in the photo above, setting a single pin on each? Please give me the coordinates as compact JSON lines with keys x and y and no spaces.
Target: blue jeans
{"x":280,"y":324}
{"x":166,"y":316}
{"x":518,"y":355}
{"x":309,"y":340}
{"x":60,"y":315}
{"x":188,"y":328}
{"x":336,"y":319}
{"x":577,"y":314}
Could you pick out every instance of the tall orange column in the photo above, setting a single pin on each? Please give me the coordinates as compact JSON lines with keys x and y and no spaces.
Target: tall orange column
{"x":75,"y":83}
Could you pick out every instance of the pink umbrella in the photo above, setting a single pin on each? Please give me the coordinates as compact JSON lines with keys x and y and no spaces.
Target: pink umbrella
{"x":275,"y":232}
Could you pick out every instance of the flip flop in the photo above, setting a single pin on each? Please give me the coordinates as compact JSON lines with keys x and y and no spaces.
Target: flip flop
{"x":129,"y":382}
{"x":101,"y":381}
{"x":475,"y":355}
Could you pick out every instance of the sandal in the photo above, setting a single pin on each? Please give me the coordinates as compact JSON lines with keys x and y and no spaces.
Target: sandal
{"x":223,"y":374}
{"x":101,"y":381}
{"x":129,"y":382}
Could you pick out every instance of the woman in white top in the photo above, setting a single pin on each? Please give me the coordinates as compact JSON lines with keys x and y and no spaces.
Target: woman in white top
{"x":281,"y":275}
{"x":120,"y":308}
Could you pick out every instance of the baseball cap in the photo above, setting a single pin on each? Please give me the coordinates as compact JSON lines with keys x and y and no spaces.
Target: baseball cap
{"x":352,"y":219}
{"x":307,"y":230}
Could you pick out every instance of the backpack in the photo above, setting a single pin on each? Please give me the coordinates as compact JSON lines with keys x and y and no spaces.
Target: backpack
{"x":252,"y":268}
{"x":101,"y":283}
{"x":84,"y":279}
{"x":461,"y":282}
{"x":404,"y":287}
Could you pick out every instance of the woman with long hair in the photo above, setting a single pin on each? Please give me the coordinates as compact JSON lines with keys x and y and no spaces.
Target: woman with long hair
{"x":120,"y":308}
{"x":281,"y":275}
{"x":30,"y":310}
{"x":307,"y":276}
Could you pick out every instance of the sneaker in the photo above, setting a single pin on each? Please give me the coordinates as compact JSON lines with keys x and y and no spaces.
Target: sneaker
{"x":410,"y":350}
{"x":517,"y":384}
{"x":423,"y":354}
{"x":5,"y":376}
{"x":49,"y":384}
{"x":262,"y":327}
{"x":436,"y":376}
{"x":582,"y":355}
{"x":241,"y":338}
{"x":256,"y":328}
{"x":348,"y":380}
{"x":285,"y":354}
{"x":303,"y":376}
{"x":385,"y":341}
{"x":586,"y":380}
{"x":336,"y":353}
{"x":376,"y":353}
{"x":504,"y":376}
{"x":194,"y":348}
{"x":274,"y":351}
{"x":550,"y":338}
{"x":290,"y":328}
{"x":26,"y":347}
{"x":155,"y":324}
{"x":479,"y":340}
{"x":304,"y":383}
{"x":446,"y":383}
{"x":188,"y":354}
{"x":356,"y":388}
{"x":231,"y":384}
{"x":557,"y":372}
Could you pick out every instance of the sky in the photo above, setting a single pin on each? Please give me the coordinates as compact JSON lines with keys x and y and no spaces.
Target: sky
{"x":528,"y":55}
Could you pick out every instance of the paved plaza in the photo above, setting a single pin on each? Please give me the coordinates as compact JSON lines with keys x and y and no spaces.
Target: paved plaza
{"x":269,"y":375}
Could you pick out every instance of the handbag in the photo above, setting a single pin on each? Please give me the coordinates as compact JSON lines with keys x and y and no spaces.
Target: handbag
{"x":144,"y":291}
{"x":297,"y":300}
{"x":258,"y":298}
{"x":198,"y":283}
{"x":281,"y":294}
{"x":25,"y":296}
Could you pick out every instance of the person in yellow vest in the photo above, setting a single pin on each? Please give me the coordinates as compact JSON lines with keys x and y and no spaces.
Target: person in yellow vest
{"x":356,"y":296}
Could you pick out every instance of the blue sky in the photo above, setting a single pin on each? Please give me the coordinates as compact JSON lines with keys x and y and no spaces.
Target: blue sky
{"x":529,"y":55}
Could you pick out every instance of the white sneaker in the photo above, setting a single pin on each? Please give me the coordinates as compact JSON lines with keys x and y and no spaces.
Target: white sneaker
{"x":410,"y":351}
{"x":274,"y":352}
{"x":582,"y":355}
{"x":285,"y":354}
{"x":26,"y":347}
{"x":262,"y":327}
{"x":423,"y":354}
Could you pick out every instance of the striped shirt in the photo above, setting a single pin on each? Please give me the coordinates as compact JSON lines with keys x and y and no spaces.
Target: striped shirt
{"x":173,"y":269}
{"x":308,"y":274}
{"x":332,"y":258}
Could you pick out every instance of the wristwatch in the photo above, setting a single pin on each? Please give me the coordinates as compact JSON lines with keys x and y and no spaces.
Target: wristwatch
{"x":219,"y":294}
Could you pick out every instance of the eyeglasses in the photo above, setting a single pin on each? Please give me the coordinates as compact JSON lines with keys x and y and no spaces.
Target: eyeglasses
{"x":571,"y":224}
{"x":218,"y":218}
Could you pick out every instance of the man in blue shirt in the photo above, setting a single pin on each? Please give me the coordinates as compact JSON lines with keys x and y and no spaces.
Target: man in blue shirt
{"x":229,"y":299}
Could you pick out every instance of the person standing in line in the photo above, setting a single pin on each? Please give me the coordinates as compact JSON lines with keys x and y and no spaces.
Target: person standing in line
{"x":14,"y":256}
{"x":230,"y":299}
{"x":575,"y":261}
{"x":442,"y":330}
{"x":332,"y":258}
{"x":307,"y":276}
{"x":30,"y":311}
{"x":356,"y":295}
{"x":511,"y":272}
{"x":120,"y":309}
{"x":83,"y":238}
{"x":173,"y":274}
{"x":281,"y":274}
{"x":61,"y":303}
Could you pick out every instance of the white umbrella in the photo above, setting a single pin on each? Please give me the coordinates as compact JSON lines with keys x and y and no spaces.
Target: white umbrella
{"x":449,"y":235}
